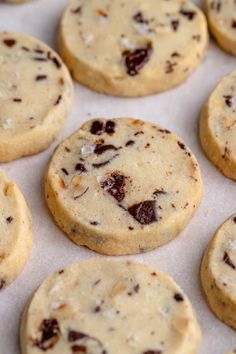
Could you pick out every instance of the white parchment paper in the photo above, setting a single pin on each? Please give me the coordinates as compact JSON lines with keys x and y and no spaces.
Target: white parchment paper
{"x":177,"y":110}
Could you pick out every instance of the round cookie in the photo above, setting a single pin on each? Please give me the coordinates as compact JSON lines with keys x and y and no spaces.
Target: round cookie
{"x":218,"y":126}
{"x":105,"y":306}
{"x":218,"y":272}
{"x":155,"y":46}
{"x":15,"y":231}
{"x":36,"y":93}
{"x":122,"y":186}
{"x":222,"y":23}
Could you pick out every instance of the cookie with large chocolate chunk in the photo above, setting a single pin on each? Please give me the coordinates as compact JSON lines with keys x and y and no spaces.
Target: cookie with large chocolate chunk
{"x":15,"y":231}
{"x":105,"y":306}
{"x":36,"y":93}
{"x":132,"y":48}
{"x":218,"y":272}
{"x":122,"y":186}
{"x":218,"y":126}
{"x":222,"y":22}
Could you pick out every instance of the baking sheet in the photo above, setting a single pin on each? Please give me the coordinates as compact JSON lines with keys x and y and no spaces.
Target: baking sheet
{"x":177,"y":110}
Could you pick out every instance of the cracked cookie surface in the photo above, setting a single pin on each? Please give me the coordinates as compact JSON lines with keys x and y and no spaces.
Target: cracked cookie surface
{"x":105,"y":306}
{"x":15,"y":231}
{"x":35,"y":95}
{"x":218,"y":126}
{"x":132,"y":48}
{"x":122,"y":186}
{"x":218,"y":272}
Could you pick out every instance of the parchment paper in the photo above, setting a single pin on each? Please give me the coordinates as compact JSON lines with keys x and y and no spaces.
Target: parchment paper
{"x":177,"y":110}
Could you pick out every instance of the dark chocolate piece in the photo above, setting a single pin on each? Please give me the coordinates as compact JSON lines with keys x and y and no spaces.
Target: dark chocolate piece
{"x":178,"y":297}
{"x":136,"y":59}
{"x":9,"y":42}
{"x":50,"y":333}
{"x":228,"y":261}
{"x":144,"y":212}
{"x":115,"y":186}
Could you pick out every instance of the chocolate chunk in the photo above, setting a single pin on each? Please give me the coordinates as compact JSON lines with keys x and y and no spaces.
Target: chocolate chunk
{"x":96,"y":128}
{"x":39,"y":51}
{"x":26,"y":49}
{"x":169,"y":67}
{"x":138,"y":17}
{"x":100,"y":149}
{"x":9,"y":219}
{"x":136,"y":60}
{"x":178,"y":297}
{"x":104,"y":163}
{"x":55,"y":61}
{"x":164,"y":131}
{"x":188,"y":13}
{"x":40,"y":77}
{"x":175,"y":25}
{"x":144,"y":212}
{"x":174,"y":54}
{"x":59,"y":98}
{"x":2,"y":283}
{"x":153,"y":352}
{"x":130,"y":142}
{"x":228,"y":100}
{"x":86,"y":344}
{"x":233,"y":24}
{"x":94,"y":223}
{"x":9,"y":42}
{"x":136,"y":288}
{"x":50,"y":333}
{"x":181,"y":145}
{"x":65,"y":171}
{"x":115,"y":186}
{"x":234,"y":219}
{"x":73,"y":336}
{"x":228,"y":261}
{"x":110,"y":127}
{"x":80,"y":167}
{"x":18,"y":100}
{"x":139,"y":133}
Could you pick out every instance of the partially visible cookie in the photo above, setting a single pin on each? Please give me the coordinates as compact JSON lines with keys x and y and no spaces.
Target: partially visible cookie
{"x":132,"y":48}
{"x":222,"y":22}
{"x":218,"y":126}
{"x":232,"y":352}
{"x":122,"y":186}
{"x":218,"y":272}
{"x":15,"y":1}
{"x":36,"y":94}
{"x":105,"y":306}
{"x":15,"y":231}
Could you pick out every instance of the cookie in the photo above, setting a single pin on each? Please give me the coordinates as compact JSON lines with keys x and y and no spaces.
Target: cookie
{"x":218,"y":272}
{"x":105,"y":306}
{"x":15,"y":231}
{"x":132,"y":48}
{"x":35,"y":95}
{"x":232,"y":352}
{"x":122,"y":186}
{"x":218,"y":126}
{"x":222,"y":23}
{"x":15,"y":1}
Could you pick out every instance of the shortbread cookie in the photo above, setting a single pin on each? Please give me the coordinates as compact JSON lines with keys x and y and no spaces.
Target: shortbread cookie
{"x":15,"y":231}
{"x":109,"y":306}
{"x":218,"y":272}
{"x":122,"y":186}
{"x":35,"y":95}
{"x":132,"y":48}
{"x":218,"y":126}
{"x":222,"y":22}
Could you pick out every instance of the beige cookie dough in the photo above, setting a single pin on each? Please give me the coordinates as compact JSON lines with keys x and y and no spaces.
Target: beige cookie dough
{"x":122,"y":186}
{"x":15,"y":231}
{"x":105,"y":306}
{"x":36,"y":93}
{"x":132,"y":48}
{"x":218,"y":126}
{"x":218,"y":272}
{"x":222,"y":21}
